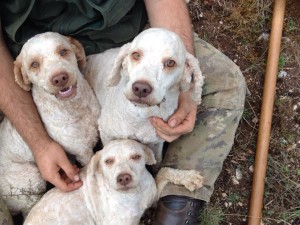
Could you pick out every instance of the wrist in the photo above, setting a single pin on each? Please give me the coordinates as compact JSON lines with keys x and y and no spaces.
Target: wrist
{"x":40,"y":145}
{"x":186,"y":98}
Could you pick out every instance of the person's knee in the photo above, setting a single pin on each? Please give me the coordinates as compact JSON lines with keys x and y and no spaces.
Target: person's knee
{"x":224,"y":84}
{"x":240,"y":87}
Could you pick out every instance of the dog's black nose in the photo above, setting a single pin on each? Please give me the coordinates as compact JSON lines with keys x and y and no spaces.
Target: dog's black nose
{"x":141,"y":89}
{"x":124,"y":179}
{"x":60,"y":79}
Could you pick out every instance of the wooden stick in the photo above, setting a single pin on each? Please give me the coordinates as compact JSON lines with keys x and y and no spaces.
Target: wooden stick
{"x":264,"y":131}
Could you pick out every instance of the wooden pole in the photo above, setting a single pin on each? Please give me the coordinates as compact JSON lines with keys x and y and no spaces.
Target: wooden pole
{"x":264,"y":131}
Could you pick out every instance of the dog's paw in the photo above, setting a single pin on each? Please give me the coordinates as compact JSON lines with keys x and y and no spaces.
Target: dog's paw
{"x":192,"y":180}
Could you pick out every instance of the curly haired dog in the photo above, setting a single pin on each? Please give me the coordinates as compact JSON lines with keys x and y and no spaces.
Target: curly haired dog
{"x":117,"y":188}
{"x":49,"y":65}
{"x":142,"y":79}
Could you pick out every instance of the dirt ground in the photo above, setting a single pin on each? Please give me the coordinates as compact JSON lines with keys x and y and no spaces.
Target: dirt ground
{"x":240,"y":29}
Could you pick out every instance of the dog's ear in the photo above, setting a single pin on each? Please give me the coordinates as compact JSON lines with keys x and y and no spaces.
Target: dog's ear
{"x":94,"y":164}
{"x":79,"y":52}
{"x":115,"y":75}
{"x":150,"y":158}
{"x":192,"y":79}
{"x":20,"y":76}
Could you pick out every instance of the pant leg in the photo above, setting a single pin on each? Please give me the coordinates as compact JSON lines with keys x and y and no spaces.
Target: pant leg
{"x":206,"y":148}
{"x":5,"y":218}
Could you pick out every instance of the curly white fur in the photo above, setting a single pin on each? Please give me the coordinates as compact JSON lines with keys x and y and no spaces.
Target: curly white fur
{"x":156,"y":58}
{"x":48,"y":66}
{"x":104,"y":198}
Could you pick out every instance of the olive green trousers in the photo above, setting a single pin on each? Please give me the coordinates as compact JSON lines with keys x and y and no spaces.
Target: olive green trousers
{"x":207,"y":146}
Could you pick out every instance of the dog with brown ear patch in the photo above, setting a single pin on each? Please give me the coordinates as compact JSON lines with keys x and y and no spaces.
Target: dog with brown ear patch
{"x":49,"y":65}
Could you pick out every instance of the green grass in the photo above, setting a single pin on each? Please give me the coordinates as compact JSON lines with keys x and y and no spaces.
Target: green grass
{"x":211,"y":216}
{"x":281,"y":62}
{"x":234,"y":198}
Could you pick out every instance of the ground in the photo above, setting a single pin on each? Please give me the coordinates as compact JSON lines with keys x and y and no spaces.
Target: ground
{"x":240,"y":29}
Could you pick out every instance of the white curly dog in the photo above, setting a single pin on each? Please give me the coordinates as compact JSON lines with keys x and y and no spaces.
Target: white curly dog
{"x":117,"y":188}
{"x":139,"y":80}
{"x":49,"y":65}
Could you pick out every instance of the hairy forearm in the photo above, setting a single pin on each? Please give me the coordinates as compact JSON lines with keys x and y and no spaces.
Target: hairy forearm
{"x":18,"y":105}
{"x":173,"y":15}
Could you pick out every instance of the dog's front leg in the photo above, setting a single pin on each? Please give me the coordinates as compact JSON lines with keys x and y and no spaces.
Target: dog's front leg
{"x":158,"y":154}
{"x":190,"y":179}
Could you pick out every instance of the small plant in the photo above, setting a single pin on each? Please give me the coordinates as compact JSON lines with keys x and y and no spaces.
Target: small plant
{"x":211,"y":216}
{"x":281,"y":62}
{"x":247,"y":114}
{"x":234,"y":198}
{"x":291,"y":25}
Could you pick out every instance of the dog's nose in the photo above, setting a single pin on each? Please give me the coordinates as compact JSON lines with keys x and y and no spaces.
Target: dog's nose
{"x":141,"y":89}
{"x":124,"y":179}
{"x":60,"y":79}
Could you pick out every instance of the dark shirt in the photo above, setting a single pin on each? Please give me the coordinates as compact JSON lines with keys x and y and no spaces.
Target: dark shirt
{"x":97,"y":24}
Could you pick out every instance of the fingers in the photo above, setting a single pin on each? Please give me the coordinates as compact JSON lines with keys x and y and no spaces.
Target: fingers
{"x":64,"y":183}
{"x":68,"y":179}
{"x":57,"y":169}
{"x":70,"y":170}
{"x":184,"y":114}
{"x":177,"y":118}
{"x":169,"y":133}
{"x":181,"y":122}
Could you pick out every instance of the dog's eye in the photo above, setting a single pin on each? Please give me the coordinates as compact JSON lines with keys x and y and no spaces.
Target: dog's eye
{"x":136,"y":55}
{"x":35,"y":64}
{"x":170,"y":63}
{"x":109,"y":161}
{"x":63,"y":52}
{"x":136,"y":157}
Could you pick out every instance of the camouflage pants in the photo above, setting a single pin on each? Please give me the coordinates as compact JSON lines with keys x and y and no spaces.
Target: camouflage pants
{"x":208,"y":145}
{"x":5,"y":218}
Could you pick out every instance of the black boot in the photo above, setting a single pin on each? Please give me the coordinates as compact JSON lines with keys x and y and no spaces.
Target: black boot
{"x":178,"y":210}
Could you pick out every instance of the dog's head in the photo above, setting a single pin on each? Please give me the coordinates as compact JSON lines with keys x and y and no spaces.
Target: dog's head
{"x":52,"y":62}
{"x":121,"y":163}
{"x":155,"y":64}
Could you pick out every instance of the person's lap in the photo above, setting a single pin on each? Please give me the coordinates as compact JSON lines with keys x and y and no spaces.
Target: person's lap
{"x":208,"y":145}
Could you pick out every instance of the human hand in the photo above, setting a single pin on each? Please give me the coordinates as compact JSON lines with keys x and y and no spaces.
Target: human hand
{"x":57,"y":169}
{"x":181,"y":122}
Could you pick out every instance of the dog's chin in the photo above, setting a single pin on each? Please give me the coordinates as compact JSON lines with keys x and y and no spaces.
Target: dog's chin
{"x":67,"y":93}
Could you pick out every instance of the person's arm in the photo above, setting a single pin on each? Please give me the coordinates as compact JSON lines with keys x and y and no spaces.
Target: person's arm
{"x":174,"y":15}
{"x":19,"y":108}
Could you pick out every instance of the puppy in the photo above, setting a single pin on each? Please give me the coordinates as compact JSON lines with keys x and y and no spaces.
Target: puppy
{"x":145,"y":79}
{"x":117,"y":188}
{"x":49,"y":65}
